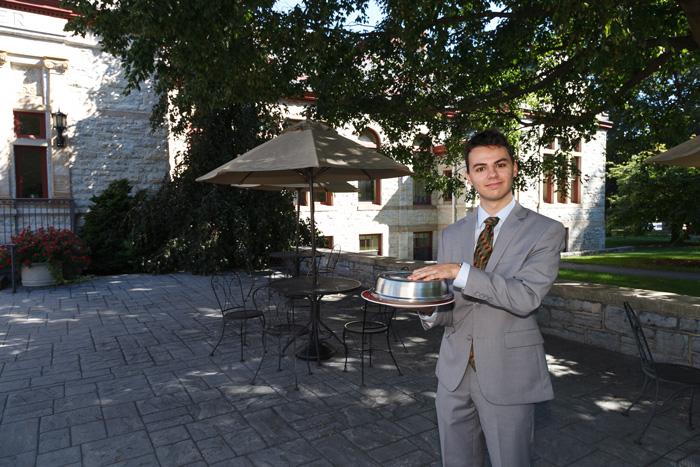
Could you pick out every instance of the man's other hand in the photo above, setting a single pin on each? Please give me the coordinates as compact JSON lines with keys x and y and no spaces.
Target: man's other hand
{"x":436,"y":272}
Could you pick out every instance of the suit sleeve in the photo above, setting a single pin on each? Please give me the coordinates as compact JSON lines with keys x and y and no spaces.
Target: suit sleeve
{"x":521,"y":293}
{"x":444,"y":312}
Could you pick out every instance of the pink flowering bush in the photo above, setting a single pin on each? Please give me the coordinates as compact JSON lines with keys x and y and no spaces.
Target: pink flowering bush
{"x":65,"y":253}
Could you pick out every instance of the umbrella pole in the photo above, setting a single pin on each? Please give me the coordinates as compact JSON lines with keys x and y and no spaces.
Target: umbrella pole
{"x":313,"y":230}
{"x":296,"y":232}
{"x":315,"y":302}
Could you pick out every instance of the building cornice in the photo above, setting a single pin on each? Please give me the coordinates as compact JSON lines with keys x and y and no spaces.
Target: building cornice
{"x":39,"y":7}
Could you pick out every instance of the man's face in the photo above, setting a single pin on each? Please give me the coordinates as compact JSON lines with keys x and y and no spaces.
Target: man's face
{"x":491,"y":172}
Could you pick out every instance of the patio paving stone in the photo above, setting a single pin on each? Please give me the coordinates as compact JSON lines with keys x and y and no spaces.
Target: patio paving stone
{"x":18,"y":437}
{"x":59,"y":457}
{"x":116,"y":448}
{"x":53,"y":440}
{"x":116,"y":371}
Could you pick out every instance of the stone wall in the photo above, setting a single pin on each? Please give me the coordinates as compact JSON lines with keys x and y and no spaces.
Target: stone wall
{"x":43,"y":69}
{"x":594,"y":314}
{"x":588,"y":313}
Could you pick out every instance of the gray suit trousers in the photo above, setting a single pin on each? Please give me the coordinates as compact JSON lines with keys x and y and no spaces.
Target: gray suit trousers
{"x":469,"y":424}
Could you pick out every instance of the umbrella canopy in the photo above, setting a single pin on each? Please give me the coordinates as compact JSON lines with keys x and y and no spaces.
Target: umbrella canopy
{"x":330,"y":187}
{"x":685,"y":154}
{"x":306,"y":149}
{"x":308,"y":152}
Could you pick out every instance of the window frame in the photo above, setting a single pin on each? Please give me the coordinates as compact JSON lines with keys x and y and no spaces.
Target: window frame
{"x":377,"y":191}
{"x":16,"y":114}
{"x":19,"y":181}
{"x":379,"y":244}
{"x":428,"y":249}
{"x":576,"y":182}
{"x":548,"y":185}
{"x":327,"y":198}
{"x":426,"y":200}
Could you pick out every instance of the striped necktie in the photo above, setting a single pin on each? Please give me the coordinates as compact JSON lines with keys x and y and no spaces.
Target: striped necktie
{"x":484,"y":244}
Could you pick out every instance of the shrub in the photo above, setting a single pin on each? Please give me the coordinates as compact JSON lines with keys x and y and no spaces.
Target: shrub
{"x":107,"y":229}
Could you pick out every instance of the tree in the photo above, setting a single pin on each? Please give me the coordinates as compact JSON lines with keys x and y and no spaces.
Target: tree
{"x":201,"y":227}
{"x":655,"y":193}
{"x":454,"y":66}
{"x":661,"y":112}
{"x":443,"y":68}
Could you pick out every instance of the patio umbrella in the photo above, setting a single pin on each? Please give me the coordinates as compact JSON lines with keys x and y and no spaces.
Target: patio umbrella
{"x":685,"y":154}
{"x":309,"y":152}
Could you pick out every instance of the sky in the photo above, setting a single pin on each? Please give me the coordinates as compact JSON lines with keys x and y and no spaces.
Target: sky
{"x":373,"y":12}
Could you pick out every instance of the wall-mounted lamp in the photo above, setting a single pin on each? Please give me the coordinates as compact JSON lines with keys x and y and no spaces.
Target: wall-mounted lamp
{"x":59,"y":123}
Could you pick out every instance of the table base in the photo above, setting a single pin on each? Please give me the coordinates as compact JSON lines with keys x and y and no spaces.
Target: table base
{"x":308,"y":352}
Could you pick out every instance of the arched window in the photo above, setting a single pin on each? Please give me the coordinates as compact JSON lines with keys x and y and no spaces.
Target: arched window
{"x":370,"y":138}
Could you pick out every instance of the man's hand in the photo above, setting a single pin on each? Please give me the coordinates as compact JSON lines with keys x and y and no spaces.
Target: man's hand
{"x":439,"y":271}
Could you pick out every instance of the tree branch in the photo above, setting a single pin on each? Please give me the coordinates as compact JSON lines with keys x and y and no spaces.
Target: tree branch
{"x":692,"y":12}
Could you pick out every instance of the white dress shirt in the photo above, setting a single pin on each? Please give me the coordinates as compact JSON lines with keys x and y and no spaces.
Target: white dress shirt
{"x":463,"y":274}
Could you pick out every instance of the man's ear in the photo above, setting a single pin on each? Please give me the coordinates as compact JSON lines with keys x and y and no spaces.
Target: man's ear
{"x":515,"y":169}
{"x":468,"y":178}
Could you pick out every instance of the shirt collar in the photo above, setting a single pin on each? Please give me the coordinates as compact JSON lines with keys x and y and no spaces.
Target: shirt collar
{"x":481,"y":214}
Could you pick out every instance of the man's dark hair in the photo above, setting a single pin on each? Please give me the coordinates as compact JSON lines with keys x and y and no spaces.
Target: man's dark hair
{"x":490,"y":137}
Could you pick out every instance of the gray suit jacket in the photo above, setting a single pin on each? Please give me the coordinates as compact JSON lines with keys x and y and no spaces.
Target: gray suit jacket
{"x":497,"y":307}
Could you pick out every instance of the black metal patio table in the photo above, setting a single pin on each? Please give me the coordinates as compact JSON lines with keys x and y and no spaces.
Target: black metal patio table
{"x":316,"y":348}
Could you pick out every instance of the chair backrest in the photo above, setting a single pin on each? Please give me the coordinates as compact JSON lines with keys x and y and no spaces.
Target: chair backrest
{"x":276,"y":307}
{"x":645,"y":356}
{"x":333,"y":258}
{"x":233,"y":290}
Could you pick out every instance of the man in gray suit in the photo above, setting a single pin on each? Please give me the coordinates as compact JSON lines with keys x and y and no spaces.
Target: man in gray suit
{"x":503,"y":258}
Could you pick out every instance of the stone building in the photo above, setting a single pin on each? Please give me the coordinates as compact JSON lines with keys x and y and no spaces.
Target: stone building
{"x":47,"y":176}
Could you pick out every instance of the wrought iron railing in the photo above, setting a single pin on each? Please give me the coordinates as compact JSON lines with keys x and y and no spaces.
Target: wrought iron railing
{"x":19,"y":213}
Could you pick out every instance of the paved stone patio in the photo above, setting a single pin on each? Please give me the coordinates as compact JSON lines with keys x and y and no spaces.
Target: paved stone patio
{"x":116,"y":371}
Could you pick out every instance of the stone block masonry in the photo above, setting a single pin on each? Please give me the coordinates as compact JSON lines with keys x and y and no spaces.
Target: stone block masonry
{"x":594,"y":314}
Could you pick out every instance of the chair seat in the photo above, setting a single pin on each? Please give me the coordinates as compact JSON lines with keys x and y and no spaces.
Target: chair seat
{"x":679,"y":374}
{"x":369,"y":327}
{"x":242,"y":313}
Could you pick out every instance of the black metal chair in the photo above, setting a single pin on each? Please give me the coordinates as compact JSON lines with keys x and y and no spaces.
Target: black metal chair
{"x":281,"y":323}
{"x":378,"y":323}
{"x":328,"y":266}
{"x":686,"y":378}
{"x":234,"y":294}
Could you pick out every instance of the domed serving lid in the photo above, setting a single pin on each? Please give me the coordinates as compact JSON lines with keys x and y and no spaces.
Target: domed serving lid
{"x":396,"y":289}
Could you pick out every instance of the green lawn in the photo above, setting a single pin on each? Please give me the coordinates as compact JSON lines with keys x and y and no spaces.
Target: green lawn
{"x":684,"y":259}
{"x":683,"y":287}
{"x":649,"y":240}
{"x":652,"y":252}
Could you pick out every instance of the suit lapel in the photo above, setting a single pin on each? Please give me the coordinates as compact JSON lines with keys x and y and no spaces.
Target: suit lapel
{"x":510,"y":227}
{"x":469,"y":229}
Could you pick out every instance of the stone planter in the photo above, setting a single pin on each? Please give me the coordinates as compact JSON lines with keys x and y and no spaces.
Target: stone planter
{"x":38,"y":275}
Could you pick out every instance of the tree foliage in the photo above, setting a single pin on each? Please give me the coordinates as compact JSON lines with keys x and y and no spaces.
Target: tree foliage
{"x":202,"y":227}
{"x":440,"y":68}
{"x":655,"y":193}
{"x":664,"y":111}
